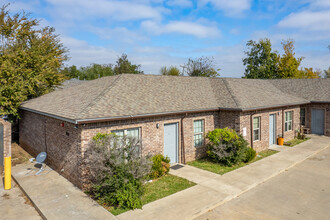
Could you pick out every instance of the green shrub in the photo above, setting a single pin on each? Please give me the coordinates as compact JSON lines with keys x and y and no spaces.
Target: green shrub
{"x":117,"y":169}
{"x":160,"y":166}
{"x":226,"y":146}
{"x":250,"y":154}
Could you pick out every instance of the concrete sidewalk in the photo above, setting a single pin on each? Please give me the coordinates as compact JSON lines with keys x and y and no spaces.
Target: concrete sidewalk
{"x":213,"y":190}
{"x":55,"y":197}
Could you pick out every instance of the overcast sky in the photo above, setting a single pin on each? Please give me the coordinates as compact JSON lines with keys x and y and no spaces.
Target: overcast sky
{"x":155,"y":32}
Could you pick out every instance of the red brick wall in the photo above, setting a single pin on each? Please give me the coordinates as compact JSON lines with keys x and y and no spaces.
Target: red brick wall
{"x":39,"y":133}
{"x":230,"y":119}
{"x":263,"y":143}
{"x":153,"y":137}
{"x":326,"y":108}
{"x":6,"y":138}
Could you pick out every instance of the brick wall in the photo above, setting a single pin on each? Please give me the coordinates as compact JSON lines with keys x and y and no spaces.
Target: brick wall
{"x":153,"y":137}
{"x":326,"y":108}
{"x":263,"y":143}
{"x":230,"y":119}
{"x":39,"y":133}
{"x":6,"y":143}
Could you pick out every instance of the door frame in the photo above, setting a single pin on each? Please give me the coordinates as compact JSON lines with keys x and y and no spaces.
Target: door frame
{"x":324,"y":117}
{"x":274,"y":128}
{"x":177,"y":141}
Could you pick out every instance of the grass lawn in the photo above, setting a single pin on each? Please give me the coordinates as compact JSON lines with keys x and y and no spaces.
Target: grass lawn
{"x":157,"y":189}
{"x":295,"y":141}
{"x":207,"y":164}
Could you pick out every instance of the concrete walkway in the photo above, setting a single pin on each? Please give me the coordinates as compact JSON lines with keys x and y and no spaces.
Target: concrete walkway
{"x":301,"y":193}
{"x":14,"y":205}
{"x":213,"y":190}
{"x":55,"y":197}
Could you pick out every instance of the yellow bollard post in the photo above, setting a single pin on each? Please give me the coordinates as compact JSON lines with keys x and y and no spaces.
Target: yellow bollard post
{"x":7,"y":172}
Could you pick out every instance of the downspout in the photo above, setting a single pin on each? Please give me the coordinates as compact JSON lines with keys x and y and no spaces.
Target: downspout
{"x":45,"y":132}
{"x":282,"y":123}
{"x":183,"y":158}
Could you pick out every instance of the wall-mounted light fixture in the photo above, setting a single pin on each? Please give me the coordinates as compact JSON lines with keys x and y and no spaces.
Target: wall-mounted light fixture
{"x":278,"y":113}
{"x":157,"y":125}
{"x":76,"y":126}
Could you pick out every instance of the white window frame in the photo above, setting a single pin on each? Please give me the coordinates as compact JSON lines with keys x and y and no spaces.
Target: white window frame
{"x":200,"y":143}
{"x":254,"y":129}
{"x":126,"y":129}
{"x":288,"y":121}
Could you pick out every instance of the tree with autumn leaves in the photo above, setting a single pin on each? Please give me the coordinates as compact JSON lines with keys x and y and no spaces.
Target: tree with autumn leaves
{"x":30,"y":60}
{"x":262,"y":62}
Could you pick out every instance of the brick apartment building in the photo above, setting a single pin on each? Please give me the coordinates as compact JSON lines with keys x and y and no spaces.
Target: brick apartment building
{"x":170,"y":114}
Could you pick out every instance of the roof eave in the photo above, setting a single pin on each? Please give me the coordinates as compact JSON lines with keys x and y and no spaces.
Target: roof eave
{"x":50,"y":115}
{"x":95,"y":120}
{"x":275,"y":106}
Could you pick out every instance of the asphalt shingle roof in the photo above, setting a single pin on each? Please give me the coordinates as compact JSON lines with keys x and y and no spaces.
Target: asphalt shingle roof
{"x":133,"y":95}
{"x":316,"y":90}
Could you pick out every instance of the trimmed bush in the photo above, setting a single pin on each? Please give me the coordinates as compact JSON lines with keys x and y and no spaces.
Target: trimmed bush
{"x":250,"y":154}
{"x":226,"y":146}
{"x":117,"y":169}
{"x":160,"y":166}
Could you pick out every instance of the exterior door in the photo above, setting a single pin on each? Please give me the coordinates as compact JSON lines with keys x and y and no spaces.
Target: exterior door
{"x":171,"y":142}
{"x":318,"y":121}
{"x":272,"y":129}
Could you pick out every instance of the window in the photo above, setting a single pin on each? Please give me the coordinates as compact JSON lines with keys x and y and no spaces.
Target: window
{"x":256,"y":128}
{"x":288,"y":121}
{"x":302,"y":116}
{"x":198,"y":133}
{"x":132,"y":132}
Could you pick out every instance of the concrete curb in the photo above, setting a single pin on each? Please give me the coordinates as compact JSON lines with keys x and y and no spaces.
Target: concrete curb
{"x":254,"y":185}
{"x":27,"y":196}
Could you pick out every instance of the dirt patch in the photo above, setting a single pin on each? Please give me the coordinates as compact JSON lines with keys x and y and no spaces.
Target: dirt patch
{"x":18,"y":154}
{"x":27,"y":200}
{"x":5,"y":196}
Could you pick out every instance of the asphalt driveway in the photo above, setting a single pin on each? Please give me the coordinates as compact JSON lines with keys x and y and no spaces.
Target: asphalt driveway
{"x":301,"y":192}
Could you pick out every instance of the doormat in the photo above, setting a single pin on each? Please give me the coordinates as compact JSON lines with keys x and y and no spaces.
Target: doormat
{"x":176,"y":167}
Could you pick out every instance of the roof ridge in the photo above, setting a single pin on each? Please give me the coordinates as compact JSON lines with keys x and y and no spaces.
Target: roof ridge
{"x":90,"y":105}
{"x":230,"y":91}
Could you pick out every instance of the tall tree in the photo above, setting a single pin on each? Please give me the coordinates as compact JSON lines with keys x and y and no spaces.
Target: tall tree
{"x":170,"y":71}
{"x":308,"y":73}
{"x":202,"y":66}
{"x":30,"y":60}
{"x":288,"y":64}
{"x":261,"y":61}
{"x":123,"y":65}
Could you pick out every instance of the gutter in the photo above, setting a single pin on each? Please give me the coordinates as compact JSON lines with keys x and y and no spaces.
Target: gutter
{"x":50,"y":115}
{"x":95,"y":120}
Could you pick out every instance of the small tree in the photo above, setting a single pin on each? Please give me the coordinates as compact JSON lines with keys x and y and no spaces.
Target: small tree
{"x":171,"y":71}
{"x":203,"y":66}
{"x":288,"y":63}
{"x":117,"y":169}
{"x":327,"y":73}
{"x":308,"y":73}
{"x":123,"y":65}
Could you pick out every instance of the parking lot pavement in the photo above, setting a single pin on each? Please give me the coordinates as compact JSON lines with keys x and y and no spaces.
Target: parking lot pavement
{"x":14,"y":205}
{"x":301,"y":192}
